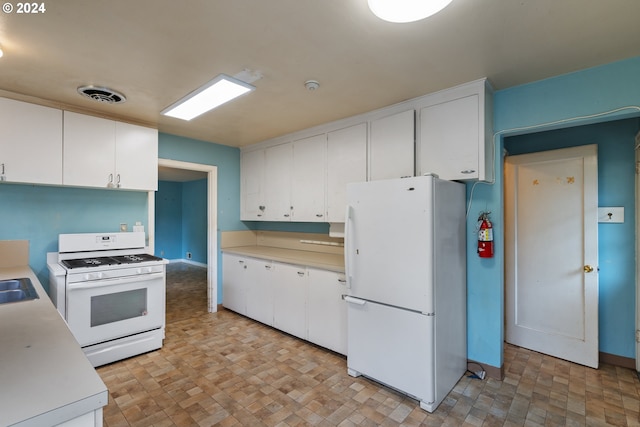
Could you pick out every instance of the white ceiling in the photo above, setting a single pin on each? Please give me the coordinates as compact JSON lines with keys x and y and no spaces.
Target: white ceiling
{"x":157,"y":51}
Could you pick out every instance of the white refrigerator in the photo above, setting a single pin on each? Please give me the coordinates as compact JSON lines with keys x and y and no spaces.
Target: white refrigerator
{"x":405,"y":263}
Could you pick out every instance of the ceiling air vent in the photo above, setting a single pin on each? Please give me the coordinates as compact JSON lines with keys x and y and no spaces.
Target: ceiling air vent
{"x":102,"y":94}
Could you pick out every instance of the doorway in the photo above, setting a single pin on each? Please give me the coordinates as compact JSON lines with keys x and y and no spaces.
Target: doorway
{"x":617,"y":242}
{"x":551,"y":253}
{"x":174,"y":170}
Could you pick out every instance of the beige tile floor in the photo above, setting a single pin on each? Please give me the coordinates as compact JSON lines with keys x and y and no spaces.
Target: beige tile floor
{"x":224,"y":369}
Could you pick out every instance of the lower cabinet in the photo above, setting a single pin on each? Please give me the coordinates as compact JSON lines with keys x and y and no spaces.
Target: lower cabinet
{"x":326,"y":310}
{"x":302,"y":301}
{"x":290,"y":299}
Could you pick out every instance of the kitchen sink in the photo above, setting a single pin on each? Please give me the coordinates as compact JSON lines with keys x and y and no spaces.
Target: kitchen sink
{"x":15,"y":290}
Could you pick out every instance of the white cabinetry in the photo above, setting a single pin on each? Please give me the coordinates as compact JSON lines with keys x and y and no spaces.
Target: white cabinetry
{"x":456,"y":140}
{"x":308,"y":195}
{"x":277,"y":177}
{"x":30,"y":143}
{"x":234,"y":282}
{"x":392,"y":146}
{"x":326,"y":310}
{"x":103,"y":153}
{"x":290,"y":299}
{"x":346,"y":162}
{"x":252,"y":185}
{"x":302,"y":301}
{"x":259,"y":290}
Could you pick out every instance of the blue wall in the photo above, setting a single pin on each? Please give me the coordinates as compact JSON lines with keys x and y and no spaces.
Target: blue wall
{"x":181,"y":220}
{"x":40,"y":213}
{"x":567,"y":100}
{"x":616,"y":242}
{"x":168,"y":211}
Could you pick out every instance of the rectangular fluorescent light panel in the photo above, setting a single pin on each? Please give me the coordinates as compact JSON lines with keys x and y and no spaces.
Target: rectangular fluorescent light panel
{"x":218,"y":91}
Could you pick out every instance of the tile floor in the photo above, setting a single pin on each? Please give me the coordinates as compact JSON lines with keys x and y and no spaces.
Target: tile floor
{"x":224,"y":369}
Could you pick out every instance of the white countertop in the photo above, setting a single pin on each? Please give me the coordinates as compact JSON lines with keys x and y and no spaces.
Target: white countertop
{"x":45,"y":378}
{"x":325,"y":261}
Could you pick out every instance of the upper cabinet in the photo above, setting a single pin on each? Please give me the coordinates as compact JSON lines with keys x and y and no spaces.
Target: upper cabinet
{"x":30,"y":143}
{"x":455,"y":139}
{"x":346,"y":163}
{"x":392,"y":146}
{"x":448,"y":133}
{"x":308,"y":182}
{"x":252,"y":203}
{"x":104,"y":153}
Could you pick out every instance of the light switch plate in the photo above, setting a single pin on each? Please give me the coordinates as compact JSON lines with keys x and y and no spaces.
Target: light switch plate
{"x":611,"y":214}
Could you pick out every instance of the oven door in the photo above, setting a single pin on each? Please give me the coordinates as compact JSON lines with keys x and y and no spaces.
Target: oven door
{"x":102,"y":310}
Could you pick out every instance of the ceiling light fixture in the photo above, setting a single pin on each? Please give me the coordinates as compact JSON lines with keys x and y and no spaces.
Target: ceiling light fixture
{"x":1,"y":52}
{"x":218,"y":91}
{"x":401,"y":11}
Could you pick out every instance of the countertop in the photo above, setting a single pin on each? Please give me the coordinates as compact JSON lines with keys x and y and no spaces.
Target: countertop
{"x":325,"y":261}
{"x":45,"y":378}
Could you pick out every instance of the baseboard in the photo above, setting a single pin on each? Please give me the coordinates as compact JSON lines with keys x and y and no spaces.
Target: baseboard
{"x":189,"y":261}
{"x":490,"y":371}
{"x":612,"y":359}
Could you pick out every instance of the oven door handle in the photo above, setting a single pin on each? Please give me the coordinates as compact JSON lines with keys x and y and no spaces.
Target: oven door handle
{"x":111,"y":282}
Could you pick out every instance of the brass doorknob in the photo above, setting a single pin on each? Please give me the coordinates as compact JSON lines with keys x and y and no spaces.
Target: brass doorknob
{"x":588,"y":269}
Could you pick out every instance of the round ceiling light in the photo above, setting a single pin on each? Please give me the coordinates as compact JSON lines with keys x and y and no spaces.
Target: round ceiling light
{"x":401,"y":11}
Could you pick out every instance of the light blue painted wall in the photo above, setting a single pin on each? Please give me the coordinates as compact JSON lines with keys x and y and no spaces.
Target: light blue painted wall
{"x":584,"y":93}
{"x":616,"y":242}
{"x":194,"y":220}
{"x":40,"y":213}
{"x":168,"y":226}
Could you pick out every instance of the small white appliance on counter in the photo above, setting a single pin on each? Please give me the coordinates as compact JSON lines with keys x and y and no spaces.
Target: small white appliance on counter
{"x":405,"y":262}
{"x":110,"y":292}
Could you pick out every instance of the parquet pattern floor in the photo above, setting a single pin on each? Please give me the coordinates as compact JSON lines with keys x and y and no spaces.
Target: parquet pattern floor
{"x":226,"y":370}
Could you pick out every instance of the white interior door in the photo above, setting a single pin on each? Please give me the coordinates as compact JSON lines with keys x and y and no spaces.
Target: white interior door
{"x":551,"y":257}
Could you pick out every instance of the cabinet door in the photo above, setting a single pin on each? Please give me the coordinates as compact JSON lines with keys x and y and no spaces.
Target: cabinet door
{"x":449,"y":138}
{"x":346,"y":162}
{"x":30,"y":143}
{"x":89,"y":151}
{"x":233,"y":283}
{"x":252,"y":185}
{"x":277,"y":176}
{"x":392,"y":146}
{"x":327,"y":311}
{"x":290,"y":298}
{"x":259,"y":290}
{"x":136,"y":157}
{"x":309,"y":179}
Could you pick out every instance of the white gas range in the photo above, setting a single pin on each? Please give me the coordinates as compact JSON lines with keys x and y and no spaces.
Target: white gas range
{"x":110,"y":292}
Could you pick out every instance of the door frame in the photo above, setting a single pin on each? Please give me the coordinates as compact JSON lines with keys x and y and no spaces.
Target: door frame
{"x":212,"y":223}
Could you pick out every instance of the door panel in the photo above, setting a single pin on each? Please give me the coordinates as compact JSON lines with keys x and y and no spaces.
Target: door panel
{"x":550,"y":238}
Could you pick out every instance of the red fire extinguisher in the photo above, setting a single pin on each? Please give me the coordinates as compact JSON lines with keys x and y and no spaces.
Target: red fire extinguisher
{"x":485,"y":236}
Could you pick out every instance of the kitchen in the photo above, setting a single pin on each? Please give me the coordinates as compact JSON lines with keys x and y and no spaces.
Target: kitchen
{"x":39,"y":214}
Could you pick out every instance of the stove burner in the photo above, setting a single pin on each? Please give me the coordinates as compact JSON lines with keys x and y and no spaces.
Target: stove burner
{"x":113,"y":260}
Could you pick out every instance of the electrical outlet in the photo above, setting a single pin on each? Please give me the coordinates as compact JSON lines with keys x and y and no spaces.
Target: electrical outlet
{"x":123,"y":226}
{"x":611,"y":214}
{"x":188,"y":255}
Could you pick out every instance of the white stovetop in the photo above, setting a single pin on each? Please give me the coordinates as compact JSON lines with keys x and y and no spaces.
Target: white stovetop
{"x":45,"y":378}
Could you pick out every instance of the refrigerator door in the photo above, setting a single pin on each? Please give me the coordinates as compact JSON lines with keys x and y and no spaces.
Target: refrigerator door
{"x":388,"y":242}
{"x":392,"y":346}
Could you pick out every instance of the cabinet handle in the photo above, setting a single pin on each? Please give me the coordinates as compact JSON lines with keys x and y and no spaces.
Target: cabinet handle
{"x":467,"y":171}
{"x":118,"y":181}
{"x":319,"y":215}
{"x":2,"y":177}
{"x":286,"y":215}
{"x":342,"y":281}
{"x":110,"y":183}
{"x":300,"y":273}
{"x":268,"y":267}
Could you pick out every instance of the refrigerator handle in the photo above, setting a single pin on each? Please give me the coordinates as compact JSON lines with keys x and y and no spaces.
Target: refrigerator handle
{"x":352,"y":300}
{"x":347,"y":245}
